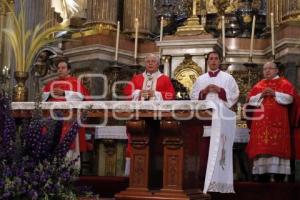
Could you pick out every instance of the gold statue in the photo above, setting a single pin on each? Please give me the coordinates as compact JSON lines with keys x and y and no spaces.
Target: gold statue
{"x":210,"y":7}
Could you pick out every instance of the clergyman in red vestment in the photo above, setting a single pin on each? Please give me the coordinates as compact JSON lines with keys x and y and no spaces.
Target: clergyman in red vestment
{"x":150,"y":85}
{"x":67,"y":88}
{"x":270,"y":143}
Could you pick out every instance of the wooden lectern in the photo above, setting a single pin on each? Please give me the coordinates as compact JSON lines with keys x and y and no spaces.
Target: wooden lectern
{"x":180,"y":161}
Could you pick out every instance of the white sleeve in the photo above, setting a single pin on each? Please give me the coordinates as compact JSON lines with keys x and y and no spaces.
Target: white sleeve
{"x":45,"y":96}
{"x":136,"y":95}
{"x":158,"y":96}
{"x":283,"y":98}
{"x":255,"y":100}
{"x":195,"y":91}
{"x":73,"y":96}
{"x":232,"y":93}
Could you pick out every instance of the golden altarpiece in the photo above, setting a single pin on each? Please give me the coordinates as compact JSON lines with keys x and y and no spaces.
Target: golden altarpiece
{"x":191,"y":29}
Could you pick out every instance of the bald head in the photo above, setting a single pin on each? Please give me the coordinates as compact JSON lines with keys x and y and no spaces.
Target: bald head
{"x":270,"y":70}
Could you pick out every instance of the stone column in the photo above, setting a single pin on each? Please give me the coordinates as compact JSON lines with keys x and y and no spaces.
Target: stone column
{"x":291,"y":10}
{"x":102,"y":12}
{"x":2,"y":19}
{"x":50,"y":14}
{"x":275,"y":7}
{"x":141,"y":9}
{"x":6,"y":55}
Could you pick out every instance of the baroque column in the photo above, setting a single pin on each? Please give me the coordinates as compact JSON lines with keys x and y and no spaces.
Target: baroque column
{"x":6,"y":56}
{"x":141,"y":9}
{"x":2,"y":18}
{"x":291,"y":10}
{"x":102,"y":14}
{"x":275,"y":7}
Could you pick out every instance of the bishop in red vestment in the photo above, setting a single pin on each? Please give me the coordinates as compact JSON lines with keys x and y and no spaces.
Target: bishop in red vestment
{"x":150,"y":85}
{"x":269,"y":145}
{"x":67,"y":88}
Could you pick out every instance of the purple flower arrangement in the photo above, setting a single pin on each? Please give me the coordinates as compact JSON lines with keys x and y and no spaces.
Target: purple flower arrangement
{"x":33,"y":163}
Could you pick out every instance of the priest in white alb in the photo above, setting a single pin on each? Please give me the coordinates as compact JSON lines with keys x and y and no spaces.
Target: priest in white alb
{"x":219,"y":87}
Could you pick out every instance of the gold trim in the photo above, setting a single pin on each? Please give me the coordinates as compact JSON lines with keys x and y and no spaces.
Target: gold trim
{"x":187,"y":72}
{"x":95,"y":29}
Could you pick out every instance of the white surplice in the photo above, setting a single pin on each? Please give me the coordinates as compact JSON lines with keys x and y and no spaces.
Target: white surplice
{"x":223,"y":80}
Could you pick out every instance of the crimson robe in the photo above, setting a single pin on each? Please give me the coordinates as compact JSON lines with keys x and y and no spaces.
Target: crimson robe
{"x":68,"y":84}
{"x":271,"y":134}
{"x":163,"y":85}
{"x":296,"y":125}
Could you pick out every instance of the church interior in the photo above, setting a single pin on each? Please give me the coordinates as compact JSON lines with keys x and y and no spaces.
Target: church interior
{"x":112,"y":38}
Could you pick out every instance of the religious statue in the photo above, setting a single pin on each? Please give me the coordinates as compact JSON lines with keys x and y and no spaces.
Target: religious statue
{"x":70,"y":8}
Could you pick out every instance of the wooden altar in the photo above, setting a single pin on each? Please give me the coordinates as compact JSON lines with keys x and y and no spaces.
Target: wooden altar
{"x":180,"y":171}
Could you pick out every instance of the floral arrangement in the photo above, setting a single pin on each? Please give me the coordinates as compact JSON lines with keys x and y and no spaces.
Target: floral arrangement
{"x":33,"y":163}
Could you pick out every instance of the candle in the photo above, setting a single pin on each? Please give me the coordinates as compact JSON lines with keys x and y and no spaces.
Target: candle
{"x":117,"y":41}
{"x":136,"y":38}
{"x":223,"y":36}
{"x":272,"y":34}
{"x":252,"y":36}
{"x":194,"y":7}
{"x":161,"y":28}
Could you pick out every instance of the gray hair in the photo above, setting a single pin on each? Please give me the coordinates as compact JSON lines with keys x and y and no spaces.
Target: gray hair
{"x":151,"y":55}
{"x":272,"y":64}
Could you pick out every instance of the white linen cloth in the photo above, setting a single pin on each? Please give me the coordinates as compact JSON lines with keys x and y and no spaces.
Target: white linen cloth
{"x":219,"y":173}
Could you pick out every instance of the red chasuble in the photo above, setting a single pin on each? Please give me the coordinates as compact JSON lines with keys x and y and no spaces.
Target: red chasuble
{"x":271,"y":134}
{"x":163,"y":85}
{"x":296,"y":125}
{"x":69,"y":84}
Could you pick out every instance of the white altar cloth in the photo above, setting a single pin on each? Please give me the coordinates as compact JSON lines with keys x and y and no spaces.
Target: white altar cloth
{"x":219,"y":173}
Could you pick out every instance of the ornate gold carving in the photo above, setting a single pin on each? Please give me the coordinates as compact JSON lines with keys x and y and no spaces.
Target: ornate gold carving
{"x":294,"y":17}
{"x":221,"y":6}
{"x":241,"y":77}
{"x":95,"y":29}
{"x":192,"y":27}
{"x":20,"y":91}
{"x":232,"y":6}
{"x":187,"y":72}
{"x":210,"y":7}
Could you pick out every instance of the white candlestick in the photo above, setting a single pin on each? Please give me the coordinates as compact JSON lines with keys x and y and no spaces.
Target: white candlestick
{"x":194,"y":7}
{"x":161,"y":28}
{"x":136,"y":38}
{"x":117,"y":41}
{"x":272,"y":34}
{"x":223,"y":36}
{"x":252,"y":36}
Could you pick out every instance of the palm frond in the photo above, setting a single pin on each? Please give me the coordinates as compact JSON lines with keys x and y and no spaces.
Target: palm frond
{"x":26,"y":43}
